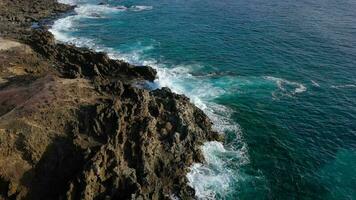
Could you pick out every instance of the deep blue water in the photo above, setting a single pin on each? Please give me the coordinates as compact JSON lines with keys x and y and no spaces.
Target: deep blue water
{"x":278,"y":77}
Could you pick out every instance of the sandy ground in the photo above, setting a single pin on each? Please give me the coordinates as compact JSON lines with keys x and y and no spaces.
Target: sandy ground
{"x":8,"y":44}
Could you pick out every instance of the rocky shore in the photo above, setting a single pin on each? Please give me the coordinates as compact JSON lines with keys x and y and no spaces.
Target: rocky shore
{"x":73,"y":126}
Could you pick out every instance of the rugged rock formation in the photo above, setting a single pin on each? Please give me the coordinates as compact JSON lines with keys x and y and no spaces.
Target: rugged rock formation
{"x":80,"y":62}
{"x":144,"y":149}
{"x":17,"y":16}
{"x":72,"y":126}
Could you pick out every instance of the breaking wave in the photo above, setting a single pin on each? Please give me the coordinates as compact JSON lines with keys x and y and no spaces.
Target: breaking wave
{"x":95,"y":10}
{"x":69,"y":2}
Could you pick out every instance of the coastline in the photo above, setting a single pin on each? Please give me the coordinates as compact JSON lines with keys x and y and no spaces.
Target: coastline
{"x":63,"y":104}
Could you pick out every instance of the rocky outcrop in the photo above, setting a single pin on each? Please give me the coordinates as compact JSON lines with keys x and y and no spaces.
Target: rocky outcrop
{"x":76,"y":62}
{"x":17,"y":16}
{"x":147,"y":140}
{"x":73,"y":126}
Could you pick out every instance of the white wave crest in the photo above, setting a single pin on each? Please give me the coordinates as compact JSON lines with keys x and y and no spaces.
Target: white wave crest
{"x":214,"y":178}
{"x":63,"y":27}
{"x":88,"y":10}
{"x":343,"y":86}
{"x":138,"y":8}
{"x":315,"y":83}
{"x":285,"y":87}
{"x":68,"y":2}
{"x":301,"y":88}
{"x":60,"y":27}
{"x":61,"y":30}
{"x":121,"y":7}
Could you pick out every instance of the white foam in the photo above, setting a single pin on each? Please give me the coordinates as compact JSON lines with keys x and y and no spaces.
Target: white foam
{"x":215,"y":177}
{"x":121,"y":7}
{"x":286,"y":88}
{"x":69,"y":2}
{"x":60,"y":27}
{"x":315,"y":83}
{"x":88,"y":10}
{"x":61,"y":30}
{"x":63,"y":27}
{"x":301,"y":88}
{"x":94,"y":8}
{"x":206,"y":182}
{"x":343,"y":86}
{"x":138,"y":8}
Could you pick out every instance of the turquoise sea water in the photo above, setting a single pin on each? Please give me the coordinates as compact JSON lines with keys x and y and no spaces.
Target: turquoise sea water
{"x":278,"y":77}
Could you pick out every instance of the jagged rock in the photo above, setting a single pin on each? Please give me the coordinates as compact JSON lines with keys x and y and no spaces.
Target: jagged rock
{"x":17,"y":15}
{"x":81,"y":62}
{"x":148,"y":140}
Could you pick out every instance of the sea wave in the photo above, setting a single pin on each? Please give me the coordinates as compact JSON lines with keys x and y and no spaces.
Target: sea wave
{"x":96,"y":11}
{"x":69,"y":2}
{"x":215,"y":177}
{"x":208,"y":179}
{"x":138,"y":8}
{"x":344,"y":86}
{"x":89,"y":9}
{"x":62,"y":28}
{"x":285,"y":87}
{"x":316,"y":84}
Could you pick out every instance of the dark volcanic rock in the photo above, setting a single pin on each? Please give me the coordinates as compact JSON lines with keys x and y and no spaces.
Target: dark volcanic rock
{"x":73,"y":126}
{"x":147,"y":141}
{"x":77,"y":62}
{"x":16,"y":16}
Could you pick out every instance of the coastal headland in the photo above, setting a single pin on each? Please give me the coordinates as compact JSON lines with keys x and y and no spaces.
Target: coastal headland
{"x":74,"y":126}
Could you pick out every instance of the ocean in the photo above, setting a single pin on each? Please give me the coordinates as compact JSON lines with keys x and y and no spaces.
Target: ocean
{"x":277,"y":77}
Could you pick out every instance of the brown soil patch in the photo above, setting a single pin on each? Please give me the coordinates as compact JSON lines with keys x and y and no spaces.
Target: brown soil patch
{"x":8,"y":44}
